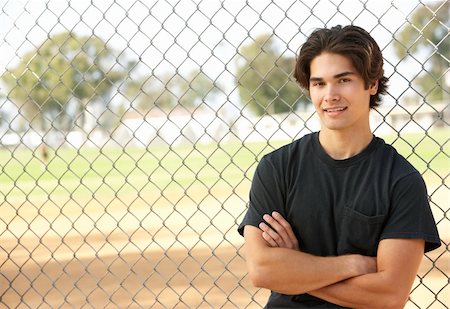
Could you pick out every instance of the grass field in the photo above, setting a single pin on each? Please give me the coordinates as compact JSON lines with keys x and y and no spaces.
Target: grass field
{"x":157,"y":226}
{"x":103,"y":171}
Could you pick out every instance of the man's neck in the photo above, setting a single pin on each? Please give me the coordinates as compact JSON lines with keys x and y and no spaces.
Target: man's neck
{"x":343,"y":145}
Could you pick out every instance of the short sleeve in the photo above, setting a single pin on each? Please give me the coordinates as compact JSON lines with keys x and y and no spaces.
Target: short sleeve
{"x":266,"y":194}
{"x":410,"y":215}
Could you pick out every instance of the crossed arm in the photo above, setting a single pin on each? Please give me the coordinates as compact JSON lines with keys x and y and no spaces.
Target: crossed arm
{"x":275,"y":262}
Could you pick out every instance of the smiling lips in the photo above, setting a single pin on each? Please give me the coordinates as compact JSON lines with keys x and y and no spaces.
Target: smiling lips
{"x":334,"y":109}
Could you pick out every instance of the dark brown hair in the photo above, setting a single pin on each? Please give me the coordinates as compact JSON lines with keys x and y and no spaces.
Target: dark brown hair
{"x":352,"y":42}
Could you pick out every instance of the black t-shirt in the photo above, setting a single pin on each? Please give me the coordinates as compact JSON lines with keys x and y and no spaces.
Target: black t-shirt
{"x":338,"y":207}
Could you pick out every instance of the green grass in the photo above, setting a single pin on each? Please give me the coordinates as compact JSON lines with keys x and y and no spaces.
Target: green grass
{"x":114,"y":171}
{"x":425,"y":151}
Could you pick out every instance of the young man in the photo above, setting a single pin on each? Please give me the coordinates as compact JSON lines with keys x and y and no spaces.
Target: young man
{"x":338,"y":218}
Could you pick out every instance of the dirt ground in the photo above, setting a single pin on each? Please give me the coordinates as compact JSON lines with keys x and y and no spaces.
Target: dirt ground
{"x":129,"y":256}
{"x":177,"y":278}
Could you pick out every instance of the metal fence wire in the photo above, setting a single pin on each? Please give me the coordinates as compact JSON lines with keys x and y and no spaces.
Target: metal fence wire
{"x":130,"y":131}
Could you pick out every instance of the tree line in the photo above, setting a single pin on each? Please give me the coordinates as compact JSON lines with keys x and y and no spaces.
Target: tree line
{"x":54,"y":84}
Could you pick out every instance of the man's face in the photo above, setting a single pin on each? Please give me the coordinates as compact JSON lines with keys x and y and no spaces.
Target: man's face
{"x":338,"y":93}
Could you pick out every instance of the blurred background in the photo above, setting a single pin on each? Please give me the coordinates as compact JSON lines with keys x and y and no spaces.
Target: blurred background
{"x":130,"y":131}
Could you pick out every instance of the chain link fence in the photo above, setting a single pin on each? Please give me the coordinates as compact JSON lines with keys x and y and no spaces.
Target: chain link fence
{"x":130,"y":131}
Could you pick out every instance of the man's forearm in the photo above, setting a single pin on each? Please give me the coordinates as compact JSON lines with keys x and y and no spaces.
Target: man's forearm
{"x":294,"y":272}
{"x":366,"y":291}
{"x":398,"y":261}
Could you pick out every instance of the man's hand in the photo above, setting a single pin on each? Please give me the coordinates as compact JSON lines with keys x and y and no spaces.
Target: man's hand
{"x":279,"y":233}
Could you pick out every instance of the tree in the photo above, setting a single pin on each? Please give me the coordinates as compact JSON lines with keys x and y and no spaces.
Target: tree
{"x":264,"y":78}
{"x":427,"y":32}
{"x":195,"y":88}
{"x":166,"y":91}
{"x":64,"y":68}
{"x":149,"y":92}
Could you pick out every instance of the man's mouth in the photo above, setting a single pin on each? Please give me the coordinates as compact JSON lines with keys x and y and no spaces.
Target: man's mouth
{"x":334,"y":109}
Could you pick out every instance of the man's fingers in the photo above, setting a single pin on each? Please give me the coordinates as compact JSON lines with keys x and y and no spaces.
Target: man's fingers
{"x":273,"y":236}
{"x":279,"y":231}
{"x":275,"y":225}
{"x":269,"y":239}
{"x":287,"y":227}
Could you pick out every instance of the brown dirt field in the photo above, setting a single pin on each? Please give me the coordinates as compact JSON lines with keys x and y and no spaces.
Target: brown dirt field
{"x":150,"y":253}
{"x":174,"y":278}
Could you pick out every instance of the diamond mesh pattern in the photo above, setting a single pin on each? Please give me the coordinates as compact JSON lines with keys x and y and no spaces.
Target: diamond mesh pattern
{"x":130,"y":131}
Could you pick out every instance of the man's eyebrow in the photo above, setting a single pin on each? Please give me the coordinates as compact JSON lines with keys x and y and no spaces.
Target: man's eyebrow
{"x":343,"y":74}
{"x":346,"y":73}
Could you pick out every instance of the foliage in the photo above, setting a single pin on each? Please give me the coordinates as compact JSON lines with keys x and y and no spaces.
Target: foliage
{"x":196,"y":87}
{"x":427,"y":32}
{"x":62,"y":68}
{"x":264,"y":78}
{"x":166,"y":91}
{"x":146,"y":93}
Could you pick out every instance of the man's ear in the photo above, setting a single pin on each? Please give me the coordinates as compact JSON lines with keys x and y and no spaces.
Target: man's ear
{"x":373,"y":88}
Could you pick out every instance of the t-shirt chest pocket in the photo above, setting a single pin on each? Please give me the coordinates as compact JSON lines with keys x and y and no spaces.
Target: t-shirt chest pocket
{"x":359,"y":233}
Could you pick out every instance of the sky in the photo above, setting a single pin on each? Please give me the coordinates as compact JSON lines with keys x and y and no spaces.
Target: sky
{"x":181,"y":35}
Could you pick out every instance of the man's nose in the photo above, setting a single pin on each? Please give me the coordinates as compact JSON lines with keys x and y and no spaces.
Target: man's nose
{"x":331,"y":94}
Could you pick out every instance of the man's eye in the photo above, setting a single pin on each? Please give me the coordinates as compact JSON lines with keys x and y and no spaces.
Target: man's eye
{"x":344,"y":80}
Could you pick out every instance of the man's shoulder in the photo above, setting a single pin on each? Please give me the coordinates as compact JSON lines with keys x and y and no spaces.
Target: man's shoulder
{"x":399,"y":165}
